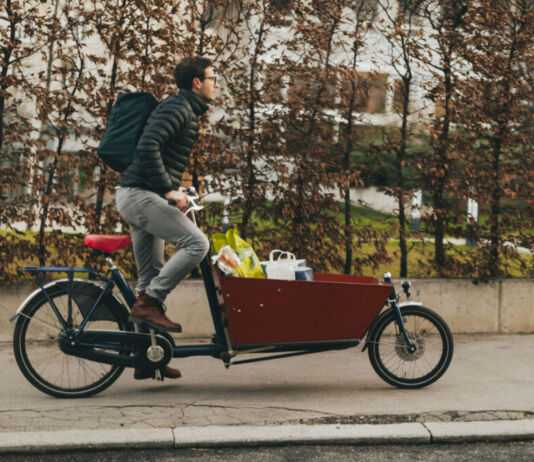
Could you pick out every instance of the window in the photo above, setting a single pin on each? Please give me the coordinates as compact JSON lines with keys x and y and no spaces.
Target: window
{"x":439,"y":108}
{"x":410,"y":6}
{"x":411,"y":10}
{"x":15,"y":172}
{"x":280,"y":12}
{"x":366,"y":9}
{"x":305,"y":87}
{"x":322,"y":139}
{"x":283,"y":6}
{"x":273,"y":85}
{"x":24,"y":32}
{"x":398,"y":95}
{"x":371,"y":92}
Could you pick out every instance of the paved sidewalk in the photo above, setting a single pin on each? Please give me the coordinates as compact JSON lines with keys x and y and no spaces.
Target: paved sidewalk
{"x":486,"y":394}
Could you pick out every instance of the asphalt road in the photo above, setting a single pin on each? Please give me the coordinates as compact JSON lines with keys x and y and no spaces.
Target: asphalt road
{"x":489,"y":452}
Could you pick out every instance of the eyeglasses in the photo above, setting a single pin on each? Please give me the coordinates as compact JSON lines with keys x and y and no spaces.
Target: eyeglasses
{"x":212,"y":78}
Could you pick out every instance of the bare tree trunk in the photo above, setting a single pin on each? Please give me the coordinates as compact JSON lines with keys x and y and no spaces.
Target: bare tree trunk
{"x":101,"y":185}
{"x":44,"y":211}
{"x":495,"y":209}
{"x":402,"y":236}
{"x":250,"y":181}
{"x":347,"y":267}
{"x":348,"y":231}
{"x":195,"y":177}
{"x":401,"y":156}
{"x":7,"y":52}
{"x":438,"y":218}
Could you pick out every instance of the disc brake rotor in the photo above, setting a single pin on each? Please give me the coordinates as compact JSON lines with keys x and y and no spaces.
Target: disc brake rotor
{"x":402,"y":349}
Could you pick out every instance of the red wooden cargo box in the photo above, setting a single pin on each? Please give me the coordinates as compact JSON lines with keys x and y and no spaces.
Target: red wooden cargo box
{"x":331,"y":307}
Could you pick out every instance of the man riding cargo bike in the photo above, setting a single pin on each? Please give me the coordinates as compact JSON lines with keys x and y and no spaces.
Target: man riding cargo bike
{"x":151,"y":182}
{"x":74,"y":337}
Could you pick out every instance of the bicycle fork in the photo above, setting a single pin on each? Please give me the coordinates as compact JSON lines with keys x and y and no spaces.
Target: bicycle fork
{"x":398,"y":315}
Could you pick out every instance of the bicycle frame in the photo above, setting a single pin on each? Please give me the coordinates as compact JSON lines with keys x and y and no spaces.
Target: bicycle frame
{"x":221,"y":346}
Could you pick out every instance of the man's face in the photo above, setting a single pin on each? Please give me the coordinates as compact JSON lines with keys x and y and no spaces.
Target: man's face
{"x":207,"y":87}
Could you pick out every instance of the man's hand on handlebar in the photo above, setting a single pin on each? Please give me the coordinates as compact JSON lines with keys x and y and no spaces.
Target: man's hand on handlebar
{"x":177,"y":198}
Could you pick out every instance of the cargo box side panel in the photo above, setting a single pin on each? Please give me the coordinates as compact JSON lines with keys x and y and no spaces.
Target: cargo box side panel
{"x":263,"y":311}
{"x":345,"y":278}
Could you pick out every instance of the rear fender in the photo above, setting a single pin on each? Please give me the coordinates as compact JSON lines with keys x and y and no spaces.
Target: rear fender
{"x":110,"y":299}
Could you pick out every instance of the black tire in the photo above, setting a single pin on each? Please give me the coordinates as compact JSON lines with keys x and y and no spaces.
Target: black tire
{"x":36,"y":341}
{"x":389,"y":354}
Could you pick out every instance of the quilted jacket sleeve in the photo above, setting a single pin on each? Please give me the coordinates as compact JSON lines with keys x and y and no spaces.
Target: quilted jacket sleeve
{"x":163,"y":125}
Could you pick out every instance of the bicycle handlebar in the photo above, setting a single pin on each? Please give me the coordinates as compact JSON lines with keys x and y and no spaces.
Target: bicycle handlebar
{"x":192,"y":197}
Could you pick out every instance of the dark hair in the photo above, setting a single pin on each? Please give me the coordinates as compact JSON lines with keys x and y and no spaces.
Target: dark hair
{"x":189,"y":69}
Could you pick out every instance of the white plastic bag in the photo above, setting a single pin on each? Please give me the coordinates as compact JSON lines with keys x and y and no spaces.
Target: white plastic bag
{"x":227,"y":261}
{"x":283,"y":267}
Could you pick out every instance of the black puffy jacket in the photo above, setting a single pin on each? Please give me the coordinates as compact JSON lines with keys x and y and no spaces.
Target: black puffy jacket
{"x":165,"y":145}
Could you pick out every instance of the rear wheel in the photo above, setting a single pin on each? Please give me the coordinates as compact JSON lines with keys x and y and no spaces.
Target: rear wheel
{"x":390,"y":356}
{"x":38,"y":332}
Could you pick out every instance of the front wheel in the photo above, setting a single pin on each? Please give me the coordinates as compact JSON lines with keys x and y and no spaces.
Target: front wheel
{"x":391,"y":358}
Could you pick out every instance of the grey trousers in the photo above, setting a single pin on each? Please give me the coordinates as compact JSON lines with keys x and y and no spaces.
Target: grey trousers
{"x":152,"y":222}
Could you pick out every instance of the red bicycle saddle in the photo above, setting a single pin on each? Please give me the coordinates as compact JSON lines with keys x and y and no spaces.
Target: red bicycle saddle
{"x":107,"y":243}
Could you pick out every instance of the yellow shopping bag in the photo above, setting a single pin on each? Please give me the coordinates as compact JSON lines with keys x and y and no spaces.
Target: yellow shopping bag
{"x":250,"y":264}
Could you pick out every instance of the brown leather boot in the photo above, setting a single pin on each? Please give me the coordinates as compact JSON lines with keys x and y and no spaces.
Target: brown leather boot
{"x":146,"y":373}
{"x":149,"y":310}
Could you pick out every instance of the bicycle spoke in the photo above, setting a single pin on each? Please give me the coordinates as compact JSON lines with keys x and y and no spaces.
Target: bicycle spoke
{"x":41,"y":322}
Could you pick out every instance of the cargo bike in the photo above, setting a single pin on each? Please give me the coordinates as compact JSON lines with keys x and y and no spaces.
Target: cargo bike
{"x":72,"y":337}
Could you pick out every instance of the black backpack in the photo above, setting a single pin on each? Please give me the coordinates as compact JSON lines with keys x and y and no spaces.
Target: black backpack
{"x":124,"y":127}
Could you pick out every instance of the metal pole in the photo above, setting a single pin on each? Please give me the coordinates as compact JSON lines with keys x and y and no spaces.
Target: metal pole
{"x":226,"y":213}
{"x":417,"y":204}
{"x":472,"y":223}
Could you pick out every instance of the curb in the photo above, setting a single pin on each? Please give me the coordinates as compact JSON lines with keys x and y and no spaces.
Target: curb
{"x":73,"y":440}
{"x":300,"y":434}
{"x":497,"y":430}
{"x":270,"y":435}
